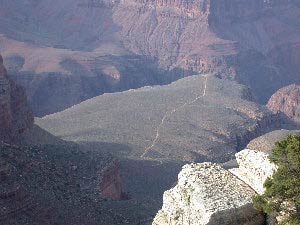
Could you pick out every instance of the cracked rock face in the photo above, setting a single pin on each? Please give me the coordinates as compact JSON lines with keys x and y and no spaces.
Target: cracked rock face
{"x":254,"y":168}
{"x":208,"y":194}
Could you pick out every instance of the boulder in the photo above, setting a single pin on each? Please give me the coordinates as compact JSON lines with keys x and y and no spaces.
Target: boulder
{"x":254,"y":168}
{"x":207,"y":194}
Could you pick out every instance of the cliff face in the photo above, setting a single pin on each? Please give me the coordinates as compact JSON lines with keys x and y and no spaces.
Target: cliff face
{"x":254,"y":168}
{"x":207,"y":194}
{"x":217,"y":36}
{"x":286,"y":101}
{"x":15,"y":115}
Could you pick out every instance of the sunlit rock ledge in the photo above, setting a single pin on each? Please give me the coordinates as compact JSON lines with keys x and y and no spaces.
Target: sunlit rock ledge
{"x":254,"y":168}
{"x":207,"y":194}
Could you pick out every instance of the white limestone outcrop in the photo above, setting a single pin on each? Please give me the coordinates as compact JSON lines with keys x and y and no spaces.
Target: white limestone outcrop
{"x":207,"y":194}
{"x":254,"y":168}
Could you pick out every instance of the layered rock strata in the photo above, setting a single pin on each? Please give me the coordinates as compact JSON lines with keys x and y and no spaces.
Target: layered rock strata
{"x":208,"y":194}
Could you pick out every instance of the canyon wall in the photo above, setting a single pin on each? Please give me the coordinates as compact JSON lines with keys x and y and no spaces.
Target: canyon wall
{"x":15,"y":115}
{"x":287,"y":101}
{"x":112,"y":45}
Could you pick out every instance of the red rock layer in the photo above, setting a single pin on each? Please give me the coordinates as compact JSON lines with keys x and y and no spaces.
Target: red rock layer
{"x":287,"y":101}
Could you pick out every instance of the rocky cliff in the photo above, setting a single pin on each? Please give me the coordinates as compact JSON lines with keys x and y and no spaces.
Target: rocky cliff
{"x":208,"y":194}
{"x":287,"y":101}
{"x":254,"y":168}
{"x":15,"y":115}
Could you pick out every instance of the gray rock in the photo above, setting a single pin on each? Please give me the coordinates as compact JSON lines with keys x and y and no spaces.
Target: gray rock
{"x":208,"y":194}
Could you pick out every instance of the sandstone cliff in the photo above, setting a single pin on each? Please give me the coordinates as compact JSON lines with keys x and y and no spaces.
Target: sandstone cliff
{"x":207,"y":194}
{"x":15,"y":115}
{"x":287,"y":101}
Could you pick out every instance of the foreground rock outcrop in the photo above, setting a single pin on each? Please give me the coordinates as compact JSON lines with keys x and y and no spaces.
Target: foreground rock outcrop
{"x":287,"y":101}
{"x":15,"y":115}
{"x":254,"y":168}
{"x":208,"y":194}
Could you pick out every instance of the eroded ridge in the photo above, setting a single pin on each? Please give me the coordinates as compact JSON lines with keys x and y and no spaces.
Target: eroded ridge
{"x":170,"y":113}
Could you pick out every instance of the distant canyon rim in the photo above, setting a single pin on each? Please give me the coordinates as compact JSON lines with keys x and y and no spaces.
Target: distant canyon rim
{"x":67,"y":52}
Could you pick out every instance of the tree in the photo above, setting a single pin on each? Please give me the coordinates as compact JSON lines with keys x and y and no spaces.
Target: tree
{"x":282,"y":191}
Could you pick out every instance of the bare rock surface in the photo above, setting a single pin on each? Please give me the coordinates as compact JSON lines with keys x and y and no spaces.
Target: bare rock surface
{"x":254,"y":168}
{"x":207,"y":194}
{"x":287,"y":101}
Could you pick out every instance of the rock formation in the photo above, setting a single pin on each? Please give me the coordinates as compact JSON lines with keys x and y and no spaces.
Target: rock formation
{"x":15,"y":115}
{"x":287,"y":100}
{"x":208,"y":194}
{"x":110,"y":181}
{"x":254,"y":168}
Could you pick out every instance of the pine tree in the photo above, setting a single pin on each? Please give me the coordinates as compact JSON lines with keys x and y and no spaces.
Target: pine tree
{"x":282,"y":191}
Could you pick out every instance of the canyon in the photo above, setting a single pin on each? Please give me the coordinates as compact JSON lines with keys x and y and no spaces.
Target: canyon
{"x":125,"y":93}
{"x":33,"y":170}
{"x":64,"y":53}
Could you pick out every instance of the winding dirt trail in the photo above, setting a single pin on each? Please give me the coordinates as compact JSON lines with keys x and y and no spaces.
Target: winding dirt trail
{"x":170,"y":113}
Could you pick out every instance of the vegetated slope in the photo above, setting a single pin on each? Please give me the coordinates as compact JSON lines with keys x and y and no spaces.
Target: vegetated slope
{"x":57,"y":185}
{"x":266,"y":142}
{"x":128,"y":43}
{"x":193,"y":119}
